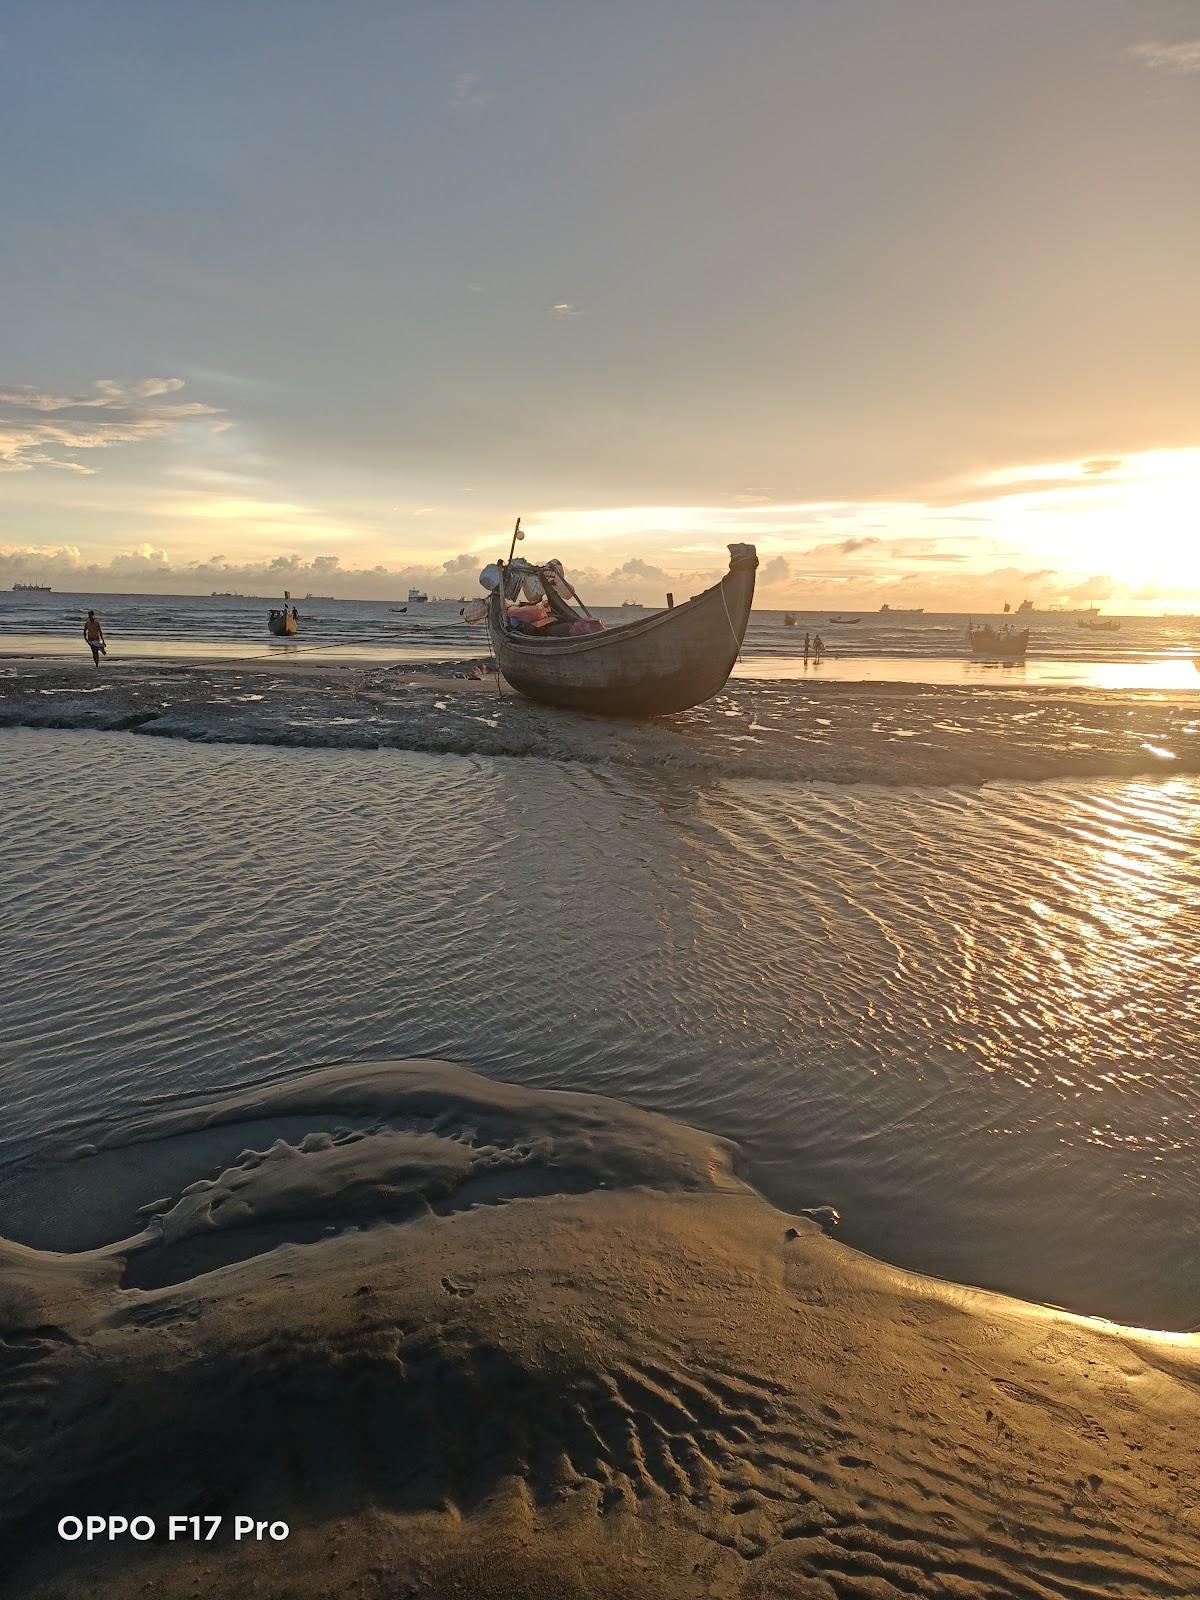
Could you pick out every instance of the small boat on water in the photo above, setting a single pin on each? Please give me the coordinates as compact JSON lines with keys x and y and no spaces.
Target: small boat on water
{"x":283,"y":623}
{"x":1099,"y":624}
{"x":651,"y":667}
{"x":789,"y":620}
{"x":1006,"y":644}
{"x":844,"y":622}
{"x":397,"y":611}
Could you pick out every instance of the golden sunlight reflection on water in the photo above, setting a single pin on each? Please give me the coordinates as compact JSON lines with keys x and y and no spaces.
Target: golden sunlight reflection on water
{"x":963,"y":1016}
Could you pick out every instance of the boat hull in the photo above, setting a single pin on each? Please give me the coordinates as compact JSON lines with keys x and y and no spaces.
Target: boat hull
{"x":660,"y":664}
{"x":992,"y":646}
{"x":283,"y":627}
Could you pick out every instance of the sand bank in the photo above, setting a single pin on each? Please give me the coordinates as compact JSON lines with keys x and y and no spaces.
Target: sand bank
{"x":470,"y":1339}
{"x":795,"y":732}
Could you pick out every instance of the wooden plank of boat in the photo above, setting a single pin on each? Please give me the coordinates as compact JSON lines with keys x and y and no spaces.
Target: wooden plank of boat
{"x":649,"y":668}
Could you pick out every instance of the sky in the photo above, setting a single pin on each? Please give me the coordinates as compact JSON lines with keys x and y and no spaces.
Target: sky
{"x":902,"y":291}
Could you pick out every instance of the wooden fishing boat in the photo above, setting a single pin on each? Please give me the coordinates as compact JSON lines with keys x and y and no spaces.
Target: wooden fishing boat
{"x":282,"y":623}
{"x":845,"y":622}
{"x":1009,"y":645}
{"x":662,"y":663}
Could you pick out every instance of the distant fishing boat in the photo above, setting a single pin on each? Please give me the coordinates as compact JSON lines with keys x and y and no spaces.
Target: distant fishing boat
{"x":901,"y":611}
{"x":32,"y":588}
{"x":789,"y":620}
{"x":397,"y":611}
{"x":416,"y":597}
{"x":662,"y":663}
{"x":845,"y":622}
{"x":1099,"y":624}
{"x":1005,"y":644}
{"x":283,"y":623}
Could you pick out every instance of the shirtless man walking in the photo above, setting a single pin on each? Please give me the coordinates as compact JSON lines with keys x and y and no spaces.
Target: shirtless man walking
{"x":94,"y":634}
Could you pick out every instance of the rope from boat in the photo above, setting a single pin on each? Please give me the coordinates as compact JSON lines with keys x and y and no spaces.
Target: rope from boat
{"x":737,"y":643}
{"x":495,"y":652}
{"x":754,"y":721}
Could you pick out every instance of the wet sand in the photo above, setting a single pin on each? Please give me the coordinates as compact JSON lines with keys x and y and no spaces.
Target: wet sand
{"x":470,"y":1339}
{"x":840,"y":732}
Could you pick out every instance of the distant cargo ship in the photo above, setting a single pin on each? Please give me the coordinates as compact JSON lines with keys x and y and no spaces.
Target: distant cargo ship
{"x":32,"y":588}
{"x":901,"y":611}
{"x":415,"y":597}
{"x":1028,"y":609}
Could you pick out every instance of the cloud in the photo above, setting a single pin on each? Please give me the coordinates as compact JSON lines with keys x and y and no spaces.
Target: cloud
{"x":846,"y":547}
{"x":564,"y":309}
{"x":42,"y":429}
{"x":1181,"y":57}
{"x":468,"y":95}
{"x":137,"y":563}
{"x":459,"y":565}
{"x":775,"y":571}
{"x":637,"y":568}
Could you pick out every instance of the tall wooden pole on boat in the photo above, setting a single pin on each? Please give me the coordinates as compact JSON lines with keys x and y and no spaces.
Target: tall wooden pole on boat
{"x":517,"y":534}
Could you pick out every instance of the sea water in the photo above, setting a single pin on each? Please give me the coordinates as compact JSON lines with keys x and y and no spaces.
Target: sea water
{"x":964,"y":1014}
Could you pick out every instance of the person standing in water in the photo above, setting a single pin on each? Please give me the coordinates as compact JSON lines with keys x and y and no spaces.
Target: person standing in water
{"x":806,"y":649}
{"x":94,"y":634}
{"x":818,"y":649}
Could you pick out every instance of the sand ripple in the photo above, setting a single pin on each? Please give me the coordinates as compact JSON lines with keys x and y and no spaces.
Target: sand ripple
{"x":632,"y":1372}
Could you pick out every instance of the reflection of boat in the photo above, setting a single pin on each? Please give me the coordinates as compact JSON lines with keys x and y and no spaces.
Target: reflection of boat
{"x":789,"y":620}
{"x":1007,"y":644}
{"x":32,"y":588}
{"x":901,"y":611}
{"x":845,"y":622}
{"x":665,"y":662}
{"x":415,"y":597}
{"x":1100,"y":624}
{"x":283,"y":623}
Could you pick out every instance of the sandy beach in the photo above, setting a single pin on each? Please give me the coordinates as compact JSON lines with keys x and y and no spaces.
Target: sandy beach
{"x":471,"y":1339}
{"x":889,"y":732}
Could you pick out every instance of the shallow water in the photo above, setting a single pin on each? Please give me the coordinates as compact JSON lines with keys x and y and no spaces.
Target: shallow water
{"x":1145,"y":652}
{"x":963,"y":1017}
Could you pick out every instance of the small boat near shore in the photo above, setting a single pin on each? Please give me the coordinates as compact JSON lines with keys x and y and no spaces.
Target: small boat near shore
{"x":659,"y":664}
{"x":282,"y":624}
{"x":1007,"y":644}
{"x":1099,"y":624}
{"x":844,"y":622}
